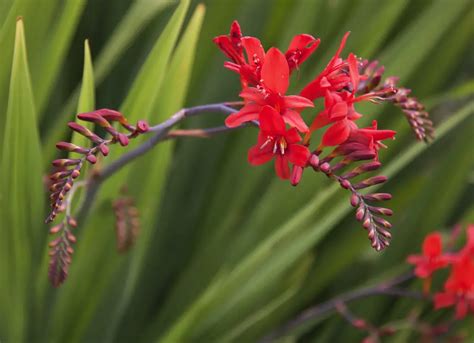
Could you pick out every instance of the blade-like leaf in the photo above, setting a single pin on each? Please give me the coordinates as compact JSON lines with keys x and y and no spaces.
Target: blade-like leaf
{"x":21,"y":193}
{"x":87,"y":96}
{"x":252,"y":273}
{"x":135,"y":21}
{"x":151,"y":174}
{"x":55,"y":50}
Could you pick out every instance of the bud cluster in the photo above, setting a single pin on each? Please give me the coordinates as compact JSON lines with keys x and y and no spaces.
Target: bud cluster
{"x":369,"y":215}
{"x":61,"y":250}
{"x":66,"y":170}
{"x":414,"y":111}
{"x":127,"y":223}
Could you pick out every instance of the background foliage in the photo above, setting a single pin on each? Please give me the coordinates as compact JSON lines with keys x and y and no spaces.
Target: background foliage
{"x":226,"y":252}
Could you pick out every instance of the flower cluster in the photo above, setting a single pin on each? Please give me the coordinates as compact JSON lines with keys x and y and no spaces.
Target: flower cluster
{"x":344,"y":82}
{"x":67,"y":170}
{"x":459,"y":286}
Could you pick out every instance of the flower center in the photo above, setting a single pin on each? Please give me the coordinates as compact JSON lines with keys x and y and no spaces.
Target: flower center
{"x":279,"y":144}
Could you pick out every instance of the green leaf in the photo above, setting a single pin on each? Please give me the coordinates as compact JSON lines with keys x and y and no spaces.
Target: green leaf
{"x":87,"y":97}
{"x":138,"y":105}
{"x":134,"y":22}
{"x":55,"y":50}
{"x":291,"y":240}
{"x":38,"y":20}
{"x":151,"y":173}
{"x":21,"y":194}
{"x":409,"y":50}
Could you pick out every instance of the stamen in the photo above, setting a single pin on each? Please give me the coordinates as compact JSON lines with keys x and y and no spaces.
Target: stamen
{"x":268,"y":141}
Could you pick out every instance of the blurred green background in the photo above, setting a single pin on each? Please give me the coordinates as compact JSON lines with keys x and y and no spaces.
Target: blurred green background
{"x":227,"y":252}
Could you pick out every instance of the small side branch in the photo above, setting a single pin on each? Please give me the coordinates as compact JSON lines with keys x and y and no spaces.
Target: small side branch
{"x":323,"y":309}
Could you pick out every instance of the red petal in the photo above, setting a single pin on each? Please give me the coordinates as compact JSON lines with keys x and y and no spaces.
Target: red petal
{"x":444,"y":300}
{"x":312,"y":90}
{"x":294,"y":119}
{"x":257,"y":156}
{"x":232,"y":66}
{"x":338,"y":111}
{"x":303,"y":41}
{"x":235,"y":31}
{"x":271,"y":121}
{"x":228,"y":48}
{"x":432,"y":245}
{"x":379,"y":135}
{"x":336,"y":134}
{"x":324,"y":82}
{"x":322,"y":119}
{"x":298,"y":154}
{"x":254,"y":49}
{"x":281,"y":167}
{"x":292,"y":136}
{"x":247,"y":113}
{"x":353,"y":72}
{"x":341,"y":46}
{"x":305,"y":44}
{"x":415,"y":259}
{"x":297,"y":102}
{"x":275,"y":71}
{"x":253,"y":94}
{"x":461,"y":309}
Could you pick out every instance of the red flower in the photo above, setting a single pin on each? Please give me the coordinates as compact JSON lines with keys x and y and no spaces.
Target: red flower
{"x":459,"y":288}
{"x":432,"y":258}
{"x":332,"y":78}
{"x":231,"y":44}
{"x":275,"y":141}
{"x":301,"y":47}
{"x":274,"y":84}
{"x":369,"y":139}
{"x":339,"y":111}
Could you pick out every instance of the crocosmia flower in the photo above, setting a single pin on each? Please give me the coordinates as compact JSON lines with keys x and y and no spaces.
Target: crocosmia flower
{"x":432,"y":258}
{"x":459,"y":288}
{"x":275,"y":74}
{"x":276,"y":142}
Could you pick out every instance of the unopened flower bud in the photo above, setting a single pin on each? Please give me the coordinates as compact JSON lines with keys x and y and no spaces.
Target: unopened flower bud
{"x":122,"y":139}
{"x":72,"y":222}
{"x":314,"y":161}
{"x":345,"y":184}
{"x":91,"y":158}
{"x":375,"y":180}
{"x":355,"y":200}
{"x":66,"y":146}
{"x":109,"y":114}
{"x":325,"y":167}
{"x":104,"y":149}
{"x":142,"y":126}
{"x":94,"y":118}
{"x":75,"y":173}
{"x":55,"y":229}
{"x":296,"y":175}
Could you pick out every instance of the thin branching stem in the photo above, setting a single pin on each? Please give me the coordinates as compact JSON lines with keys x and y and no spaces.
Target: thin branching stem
{"x":325,"y":308}
{"x":160,"y":132}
